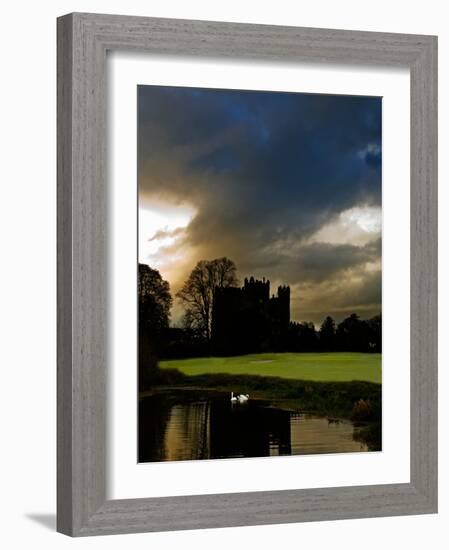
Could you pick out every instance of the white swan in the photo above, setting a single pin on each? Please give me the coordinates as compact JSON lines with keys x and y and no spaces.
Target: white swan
{"x":233,"y":397}
{"x":243,"y":398}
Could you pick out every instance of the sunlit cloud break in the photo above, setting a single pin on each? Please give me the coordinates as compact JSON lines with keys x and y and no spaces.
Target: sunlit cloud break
{"x":358,"y":225}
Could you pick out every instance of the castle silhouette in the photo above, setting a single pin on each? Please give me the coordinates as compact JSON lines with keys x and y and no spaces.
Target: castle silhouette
{"x":248,"y":320}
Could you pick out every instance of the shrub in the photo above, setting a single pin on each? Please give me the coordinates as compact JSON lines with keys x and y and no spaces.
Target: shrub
{"x":362,"y":410}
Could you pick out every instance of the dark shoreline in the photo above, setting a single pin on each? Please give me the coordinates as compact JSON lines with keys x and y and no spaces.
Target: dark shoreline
{"x":334,"y":400}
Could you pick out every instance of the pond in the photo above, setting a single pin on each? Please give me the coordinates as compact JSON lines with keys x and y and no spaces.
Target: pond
{"x":194,"y":425}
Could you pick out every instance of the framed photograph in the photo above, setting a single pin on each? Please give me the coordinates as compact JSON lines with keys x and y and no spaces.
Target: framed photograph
{"x":247,"y":274}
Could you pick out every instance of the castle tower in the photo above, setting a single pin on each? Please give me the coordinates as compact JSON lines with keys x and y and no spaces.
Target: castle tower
{"x":247,"y":320}
{"x":256,"y":290}
{"x":284,"y":308}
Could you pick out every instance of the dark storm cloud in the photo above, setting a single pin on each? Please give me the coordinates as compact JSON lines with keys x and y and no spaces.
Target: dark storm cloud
{"x":318,"y":261}
{"x":314,"y":262}
{"x":339,"y":297}
{"x":264,"y":172}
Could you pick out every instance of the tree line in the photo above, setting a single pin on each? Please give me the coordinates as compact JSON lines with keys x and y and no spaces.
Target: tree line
{"x":351,"y":334}
{"x":193,"y":338}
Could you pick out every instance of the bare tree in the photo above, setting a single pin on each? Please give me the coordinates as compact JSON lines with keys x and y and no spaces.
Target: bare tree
{"x":197,"y":292}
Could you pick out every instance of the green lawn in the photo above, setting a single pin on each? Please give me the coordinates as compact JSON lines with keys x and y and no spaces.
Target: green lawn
{"x":323,"y":367}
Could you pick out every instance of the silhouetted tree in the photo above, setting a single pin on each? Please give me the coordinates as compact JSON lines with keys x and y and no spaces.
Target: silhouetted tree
{"x":154,"y":314}
{"x":154,"y":298}
{"x":307,"y":336}
{"x":198,"y":291}
{"x":327,"y":335}
{"x":353,"y":334}
{"x":375,"y":333}
{"x":302,"y":337}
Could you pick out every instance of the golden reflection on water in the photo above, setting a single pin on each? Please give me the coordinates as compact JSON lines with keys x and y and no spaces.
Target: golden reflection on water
{"x":270,"y":432}
{"x":187,"y":436}
{"x":313,"y":435}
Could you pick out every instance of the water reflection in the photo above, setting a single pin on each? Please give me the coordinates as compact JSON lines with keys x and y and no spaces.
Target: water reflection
{"x":194,"y":425}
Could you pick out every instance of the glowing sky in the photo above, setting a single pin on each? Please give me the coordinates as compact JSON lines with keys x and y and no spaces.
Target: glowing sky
{"x":287,"y":185}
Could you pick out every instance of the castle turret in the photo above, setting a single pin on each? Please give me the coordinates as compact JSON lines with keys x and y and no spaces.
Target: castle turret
{"x":257,"y":290}
{"x":284,"y":307}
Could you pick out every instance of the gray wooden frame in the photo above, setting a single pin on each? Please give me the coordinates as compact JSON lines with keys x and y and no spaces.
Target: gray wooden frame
{"x":83,"y":40}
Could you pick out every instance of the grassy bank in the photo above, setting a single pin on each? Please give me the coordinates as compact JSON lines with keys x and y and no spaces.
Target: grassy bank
{"x":327,"y":398}
{"x":317,"y":367}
